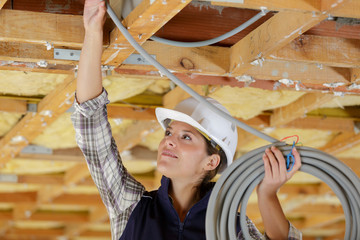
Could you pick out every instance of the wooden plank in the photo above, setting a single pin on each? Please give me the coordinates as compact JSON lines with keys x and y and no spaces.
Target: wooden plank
{"x":203,"y":60}
{"x":131,"y":112}
{"x":59,"y":216}
{"x":32,"y":124}
{"x":272,"y":5}
{"x":41,"y":28}
{"x":299,"y":71}
{"x":134,"y":134}
{"x":34,"y":233}
{"x":142,"y":22}
{"x":77,"y":173}
{"x":298,"y":108}
{"x":172,"y":98}
{"x":2,"y":3}
{"x":23,"y":211}
{"x":355,"y":75}
{"x":78,"y":199}
{"x":320,"y":123}
{"x":351,"y":10}
{"x":341,"y":142}
{"x":51,"y":179}
{"x":13,"y":106}
{"x":29,"y":53}
{"x":18,"y":197}
{"x":272,"y":36}
{"x":54,"y":6}
{"x":329,"y":51}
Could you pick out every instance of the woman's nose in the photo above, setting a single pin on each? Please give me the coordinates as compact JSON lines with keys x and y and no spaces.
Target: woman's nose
{"x":170,"y":141}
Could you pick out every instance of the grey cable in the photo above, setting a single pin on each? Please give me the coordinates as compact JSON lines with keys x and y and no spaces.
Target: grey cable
{"x":241,"y":177}
{"x":214,"y":40}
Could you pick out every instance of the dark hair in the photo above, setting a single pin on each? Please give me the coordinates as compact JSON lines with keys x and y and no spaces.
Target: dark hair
{"x":205,"y":184}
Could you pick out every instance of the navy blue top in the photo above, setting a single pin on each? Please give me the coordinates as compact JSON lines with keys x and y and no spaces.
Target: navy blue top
{"x":154,"y":217}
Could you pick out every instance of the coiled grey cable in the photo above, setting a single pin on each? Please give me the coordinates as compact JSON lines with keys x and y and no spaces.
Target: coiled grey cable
{"x":237,"y":182}
{"x":214,"y":40}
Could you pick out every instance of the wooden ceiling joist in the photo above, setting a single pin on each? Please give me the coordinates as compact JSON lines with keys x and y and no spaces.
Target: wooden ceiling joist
{"x":50,"y":29}
{"x":272,"y":36}
{"x":349,"y":11}
{"x":142,"y":23}
{"x":13,"y":106}
{"x":329,"y":51}
{"x":2,"y":3}
{"x":341,"y":143}
{"x":298,"y":108}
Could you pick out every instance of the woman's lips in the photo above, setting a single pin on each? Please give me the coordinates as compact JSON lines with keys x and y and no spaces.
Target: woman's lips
{"x":168,"y":154}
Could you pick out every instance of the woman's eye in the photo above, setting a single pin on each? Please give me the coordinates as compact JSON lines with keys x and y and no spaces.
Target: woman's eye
{"x":186,"y":137}
{"x":167,"y":133}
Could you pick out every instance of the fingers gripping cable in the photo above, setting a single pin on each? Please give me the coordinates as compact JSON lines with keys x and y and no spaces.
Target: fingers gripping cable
{"x":235,"y":185}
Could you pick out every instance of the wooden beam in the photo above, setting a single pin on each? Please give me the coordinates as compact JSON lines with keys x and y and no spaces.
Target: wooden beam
{"x":77,"y":173}
{"x":355,"y":75}
{"x":142,"y":22}
{"x":172,"y":98}
{"x":341,"y":143}
{"x":298,"y":108}
{"x":2,"y":3}
{"x":351,"y":10}
{"x":13,"y":106}
{"x":34,"y":233}
{"x":207,"y":60}
{"x":329,"y":51}
{"x":134,"y":134}
{"x":332,"y":124}
{"x":271,"y":36}
{"x":299,"y":71}
{"x":32,"y":124}
{"x":78,"y":199}
{"x":41,"y":28}
{"x":18,"y":197}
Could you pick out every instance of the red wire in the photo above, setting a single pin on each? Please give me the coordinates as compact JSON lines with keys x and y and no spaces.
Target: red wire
{"x":297,"y":138}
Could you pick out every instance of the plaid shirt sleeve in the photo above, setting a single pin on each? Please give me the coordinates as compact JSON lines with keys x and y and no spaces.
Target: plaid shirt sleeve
{"x":119,"y":191}
{"x":294,"y":234}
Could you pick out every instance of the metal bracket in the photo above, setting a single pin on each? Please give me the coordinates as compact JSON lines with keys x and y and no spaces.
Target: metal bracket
{"x":12,"y":178}
{"x":32,"y":107}
{"x":67,"y":54}
{"x":137,"y":59}
{"x":32,"y":149}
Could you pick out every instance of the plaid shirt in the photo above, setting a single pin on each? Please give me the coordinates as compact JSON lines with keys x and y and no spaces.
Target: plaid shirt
{"x":119,"y":191}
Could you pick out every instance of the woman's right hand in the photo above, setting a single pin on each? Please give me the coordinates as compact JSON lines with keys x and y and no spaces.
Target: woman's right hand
{"x":94,"y":15}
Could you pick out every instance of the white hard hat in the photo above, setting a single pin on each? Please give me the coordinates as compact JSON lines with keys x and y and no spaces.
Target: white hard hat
{"x":196,"y":114}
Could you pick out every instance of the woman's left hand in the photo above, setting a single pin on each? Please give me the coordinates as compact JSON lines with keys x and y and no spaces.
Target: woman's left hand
{"x":276,"y":173}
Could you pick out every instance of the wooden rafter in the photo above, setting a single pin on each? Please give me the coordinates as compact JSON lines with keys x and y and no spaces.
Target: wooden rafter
{"x":341,"y":143}
{"x":32,"y":124}
{"x":142,"y":23}
{"x":272,"y":36}
{"x":329,"y":51}
{"x":2,"y":3}
{"x":41,"y":28}
{"x":298,"y":108}
{"x":349,"y":11}
{"x":14,"y":106}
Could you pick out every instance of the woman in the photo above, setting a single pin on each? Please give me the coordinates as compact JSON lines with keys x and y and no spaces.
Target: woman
{"x":196,"y":145}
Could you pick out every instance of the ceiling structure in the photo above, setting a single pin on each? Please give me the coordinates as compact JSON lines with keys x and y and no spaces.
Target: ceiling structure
{"x":296,"y":71}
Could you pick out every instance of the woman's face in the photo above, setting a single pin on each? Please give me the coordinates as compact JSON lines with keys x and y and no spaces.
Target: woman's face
{"x":182,"y":152}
